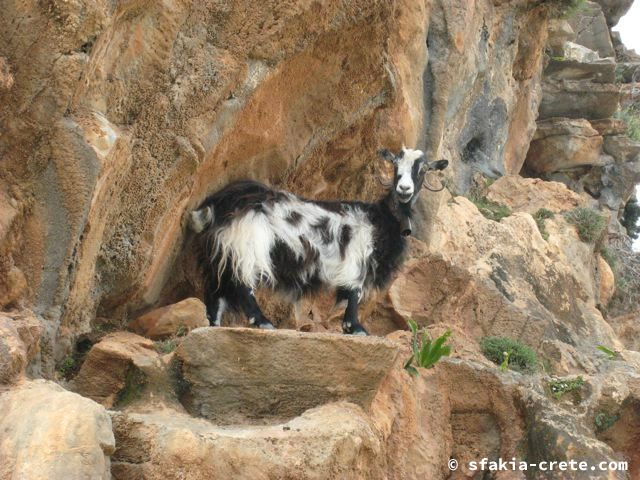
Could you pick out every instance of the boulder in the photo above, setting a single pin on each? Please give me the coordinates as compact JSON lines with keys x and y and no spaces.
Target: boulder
{"x":531,"y":194}
{"x":167,"y":321}
{"x":330,"y":441}
{"x":19,"y":343}
{"x":606,"y":281}
{"x":563,"y":144}
{"x":627,"y":328}
{"x":597,"y":71}
{"x":48,"y":433}
{"x":235,"y":373}
{"x":579,"y":53}
{"x":578,"y":99}
{"x":115,"y":368}
{"x":592,"y":31}
{"x":622,"y":148}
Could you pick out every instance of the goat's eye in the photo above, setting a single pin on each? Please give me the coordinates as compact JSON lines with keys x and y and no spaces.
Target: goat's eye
{"x":423,"y":168}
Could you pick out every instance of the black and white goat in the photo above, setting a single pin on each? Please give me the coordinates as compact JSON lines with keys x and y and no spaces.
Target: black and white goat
{"x":251,"y":235}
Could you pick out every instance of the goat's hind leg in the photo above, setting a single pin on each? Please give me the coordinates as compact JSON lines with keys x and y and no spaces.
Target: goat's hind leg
{"x":350,"y":324}
{"x":216,"y":304}
{"x":247,"y":301}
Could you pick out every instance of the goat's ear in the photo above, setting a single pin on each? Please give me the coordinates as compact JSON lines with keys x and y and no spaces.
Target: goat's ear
{"x":387,"y":155}
{"x":439,"y":165}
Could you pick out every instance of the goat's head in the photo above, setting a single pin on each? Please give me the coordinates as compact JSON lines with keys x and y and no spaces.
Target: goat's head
{"x":410,"y":167}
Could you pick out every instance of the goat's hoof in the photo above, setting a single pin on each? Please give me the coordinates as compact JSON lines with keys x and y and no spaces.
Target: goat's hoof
{"x":354,"y":330}
{"x":266,"y":326}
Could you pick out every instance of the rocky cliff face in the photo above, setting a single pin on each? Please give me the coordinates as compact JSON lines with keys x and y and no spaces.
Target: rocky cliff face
{"x":117,"y":118}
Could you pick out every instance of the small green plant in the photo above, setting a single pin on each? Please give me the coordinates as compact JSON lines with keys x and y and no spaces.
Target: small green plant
{"x":165,"y":346}
{"x":605,"y":420}
{"x":505,"y":363}
{"x":560,"y":387}
{"x":558,"y":58}
{"x":572,"y":7}
{"x":67,"y":367}
{"x":611,"y":354}
{"x":490,"y":209}
{"x":631,"y":117}
{"x":519,"y":356}
{"x":182,"y":330}
{"x":589,"y":222}
{"x":425,"y":353}
{"x":540,"y":216}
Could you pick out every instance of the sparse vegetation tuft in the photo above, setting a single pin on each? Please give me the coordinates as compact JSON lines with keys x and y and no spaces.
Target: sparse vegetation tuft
{"x":517,"y":355}
{"x":589,"y":222}
{"x":67,"y":367}
{"x":540,"y":216}
{"x":559,"y":387}
{"x":165,"y":346}
{"x":631,"y":117}
{"x":571,"y":7}
{"x":611,"y":354}
{"x":490,"y":209}
{"x":626,"y":268}
{"x":605,"y":420}
{"x":425,"y":352}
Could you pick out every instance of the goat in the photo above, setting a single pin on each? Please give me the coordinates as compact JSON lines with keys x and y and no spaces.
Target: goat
{"x":251,"y":235}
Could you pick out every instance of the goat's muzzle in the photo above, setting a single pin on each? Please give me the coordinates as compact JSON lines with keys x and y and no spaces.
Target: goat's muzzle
{"x":405,"y":227}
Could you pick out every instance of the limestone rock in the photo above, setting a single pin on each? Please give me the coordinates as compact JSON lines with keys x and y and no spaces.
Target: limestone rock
{"x":19,"y":343}
{"x":607,"y":281}
{"x":560,"y":32}
{"x":627,"y":328}
{"x":233,"y":373}
{"x":331,"y":441}
{"x":597,"y":71}
{"x":590,"y":25}
{"x":167,"y":321}
{"x":579,"y":53}
{"x":609,"y":126}
{"x":563,"y":144}
{"x":47,"y":433}
{"x":112,"y":365}
{"x":579,"y":99}
{"x":531,"y":194}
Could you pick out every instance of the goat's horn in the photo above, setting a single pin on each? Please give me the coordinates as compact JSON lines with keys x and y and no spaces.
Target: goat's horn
{"x":429,"y":187}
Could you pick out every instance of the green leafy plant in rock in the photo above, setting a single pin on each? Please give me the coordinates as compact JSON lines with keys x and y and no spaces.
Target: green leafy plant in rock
{"x":631,"y":117}
{"x":589,"y":222}
{"x":425,"y":352}
{"x":560,"y":387}
{"x":540,"y":216}
{"x":518,"y":356}
{"x":611,"y":354}
{"x":605,"y":420}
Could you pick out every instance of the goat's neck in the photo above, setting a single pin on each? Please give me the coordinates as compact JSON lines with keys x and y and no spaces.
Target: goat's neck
{"x":401,"y":211}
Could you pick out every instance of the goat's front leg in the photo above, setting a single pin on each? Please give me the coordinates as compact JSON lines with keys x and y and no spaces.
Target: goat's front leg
{"x":251,"y":309}
{"x":350,"y":324}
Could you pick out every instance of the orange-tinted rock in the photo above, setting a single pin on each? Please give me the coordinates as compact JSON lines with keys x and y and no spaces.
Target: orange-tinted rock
{"x":118,"y":359}
{"x":172,"y":319}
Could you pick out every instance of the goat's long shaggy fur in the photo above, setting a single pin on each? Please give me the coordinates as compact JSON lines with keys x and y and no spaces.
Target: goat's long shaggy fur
{"x":261,"y":236}
{"x":252,"y":235}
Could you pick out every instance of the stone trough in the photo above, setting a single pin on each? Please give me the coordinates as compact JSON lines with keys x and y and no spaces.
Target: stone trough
{"x":234,"y":375}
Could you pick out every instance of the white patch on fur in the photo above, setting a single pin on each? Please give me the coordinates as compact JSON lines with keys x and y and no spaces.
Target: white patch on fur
{"x":405,"y":184}
{"x":252,"y":320}
{"x":200,"y":219}
{"x":222,"y":306}
{"x":247,"y":242}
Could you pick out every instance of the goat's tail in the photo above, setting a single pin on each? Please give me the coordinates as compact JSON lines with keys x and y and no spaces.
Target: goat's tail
{"x":201,"y":219}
